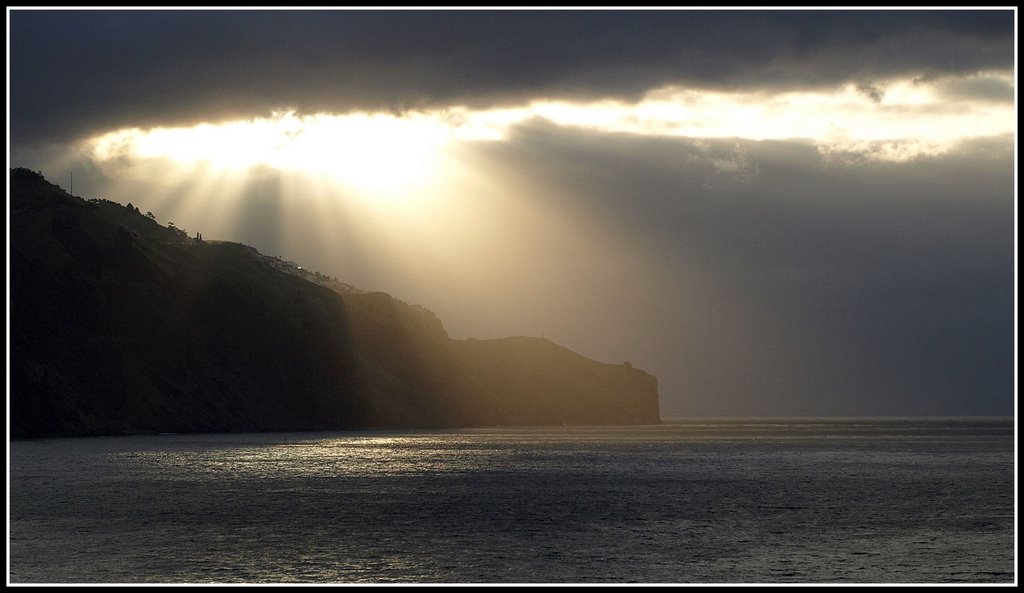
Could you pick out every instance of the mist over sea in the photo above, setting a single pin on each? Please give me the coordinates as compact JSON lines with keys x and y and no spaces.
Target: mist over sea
{"x":872,"y":500}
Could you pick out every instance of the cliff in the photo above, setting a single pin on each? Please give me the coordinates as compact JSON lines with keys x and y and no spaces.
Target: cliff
{"x":120,"y":325}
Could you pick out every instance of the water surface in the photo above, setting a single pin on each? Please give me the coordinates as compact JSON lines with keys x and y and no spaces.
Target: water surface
{"x":695,"y":501}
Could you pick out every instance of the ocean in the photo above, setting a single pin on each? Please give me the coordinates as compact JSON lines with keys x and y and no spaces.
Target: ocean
{"x":840,"y":500}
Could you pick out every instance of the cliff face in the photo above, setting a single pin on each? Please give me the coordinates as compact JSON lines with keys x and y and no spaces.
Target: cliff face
{"x":120,"y":325}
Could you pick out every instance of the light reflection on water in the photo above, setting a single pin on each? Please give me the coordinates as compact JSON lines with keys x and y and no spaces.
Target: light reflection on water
{"x":844,"y":500}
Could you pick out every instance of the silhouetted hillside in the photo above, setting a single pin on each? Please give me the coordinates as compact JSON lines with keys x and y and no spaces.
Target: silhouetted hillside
{"x":121,"y":325}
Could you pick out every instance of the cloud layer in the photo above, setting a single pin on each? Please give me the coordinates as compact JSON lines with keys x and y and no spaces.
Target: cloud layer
{"x":74,"y":73}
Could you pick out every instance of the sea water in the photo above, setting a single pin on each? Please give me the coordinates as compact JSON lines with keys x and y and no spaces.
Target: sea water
{"x":694,"y":501}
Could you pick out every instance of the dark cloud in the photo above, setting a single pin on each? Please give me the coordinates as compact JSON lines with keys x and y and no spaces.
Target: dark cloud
{"x":872,"y":91}
{"x":977,"y":88}
{"x":75,"y":72}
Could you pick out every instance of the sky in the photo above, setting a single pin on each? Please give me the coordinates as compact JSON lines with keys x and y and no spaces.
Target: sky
{"x":776,"y":213}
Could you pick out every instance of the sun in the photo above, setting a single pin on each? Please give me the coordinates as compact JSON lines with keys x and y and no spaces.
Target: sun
{"x":377,"y":154}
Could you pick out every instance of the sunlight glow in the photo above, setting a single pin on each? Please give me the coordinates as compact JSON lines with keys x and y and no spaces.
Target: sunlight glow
{"x":383,"y":155}
{"x":366,"y":152}
{"x":914,"y":115}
